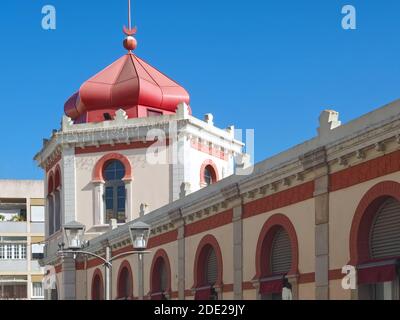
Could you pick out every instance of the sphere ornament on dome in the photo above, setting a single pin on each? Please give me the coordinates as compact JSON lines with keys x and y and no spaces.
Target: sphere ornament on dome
{"x":130,"y":43}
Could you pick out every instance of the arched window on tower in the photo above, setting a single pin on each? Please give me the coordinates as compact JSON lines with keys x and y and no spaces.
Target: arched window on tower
{"x":57,"y":200}
{"x":208,"y":174}
{"x":50,"y":204}
{"x":50,"y":208}
{"x":57,"y":211}
{"x":114,"y":191}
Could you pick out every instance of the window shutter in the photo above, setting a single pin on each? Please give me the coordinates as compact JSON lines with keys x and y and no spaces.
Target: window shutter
{"x":212,"y":268}
{"x":163,"y":277}
{"x":385,"y":231}
{"x":281,"y":257}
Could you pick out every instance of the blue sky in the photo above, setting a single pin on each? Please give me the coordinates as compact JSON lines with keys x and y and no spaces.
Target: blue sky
{"x":268,"y":65}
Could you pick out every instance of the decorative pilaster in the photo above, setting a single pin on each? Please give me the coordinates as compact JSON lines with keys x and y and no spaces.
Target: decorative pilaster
{"x":130,"y":213}
{"x":316,"y":160}
{"x":69,"y":183}
{"x":238,"y":252}
{"x":98,"y":203}
{"x":321,"y":197}
{"x":181,"y":260}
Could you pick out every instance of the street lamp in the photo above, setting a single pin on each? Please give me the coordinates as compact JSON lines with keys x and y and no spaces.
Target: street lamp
{"x":74,"y":233}
{"x":140,"y":233}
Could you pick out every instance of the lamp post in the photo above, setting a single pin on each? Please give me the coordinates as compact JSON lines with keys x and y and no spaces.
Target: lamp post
{"x":140,"y":233}
{"x":74,"y":233}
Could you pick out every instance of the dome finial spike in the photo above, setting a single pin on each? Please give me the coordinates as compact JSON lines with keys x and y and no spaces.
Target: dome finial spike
{"x":130,"y":42}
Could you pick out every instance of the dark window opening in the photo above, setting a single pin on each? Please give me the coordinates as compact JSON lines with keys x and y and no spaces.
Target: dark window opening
{"x":209,"y":175}
{"x":153,"y":113}
{"x":114,"y":192}
{"x":125,"y":289}
{"x":107,"y":116}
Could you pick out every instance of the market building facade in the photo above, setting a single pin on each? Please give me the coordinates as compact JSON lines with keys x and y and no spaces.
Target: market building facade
{"x":130,"y":150}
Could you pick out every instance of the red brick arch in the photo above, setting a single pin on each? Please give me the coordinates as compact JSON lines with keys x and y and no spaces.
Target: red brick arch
{"x":200,"y":260}
{"x":160,"y":254}
{"x":265,"y":240}
{"x":98,"y":169}
{"x":97,"y":275}
{"x":363,"y":218}
{"x":214,"y":171}
{"x":120,"y":286}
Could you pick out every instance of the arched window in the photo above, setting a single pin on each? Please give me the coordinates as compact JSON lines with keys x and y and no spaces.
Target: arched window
{"x":160,"y":280}
{"x":385,"y":231}
{"x":209,"y":176}
{"x":281,"y":253}
{"x":208,"y":269}
{"x":375,"y":243}
{"x":125,"y":284}
{"x":208,"y":173}
{"x":57,"y":211}
{"x":384,"y":245}
{"x":211,"y":274}
{"x":50,"y":208}
{"x":97,"y":287}
{"x":279,"y":262}
{"x":277,"y":257}
{"x":57,"y":178}
{"x":54,"y":201}
{"x":114,"y":191}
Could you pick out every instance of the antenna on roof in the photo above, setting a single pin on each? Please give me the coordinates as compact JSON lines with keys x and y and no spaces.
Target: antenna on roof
{"x":130,"y":42}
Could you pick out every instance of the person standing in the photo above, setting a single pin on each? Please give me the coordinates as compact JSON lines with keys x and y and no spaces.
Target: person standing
{"x":286,"y":289}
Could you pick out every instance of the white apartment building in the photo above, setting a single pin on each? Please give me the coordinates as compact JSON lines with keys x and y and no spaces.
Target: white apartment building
{"x":21,"y":239}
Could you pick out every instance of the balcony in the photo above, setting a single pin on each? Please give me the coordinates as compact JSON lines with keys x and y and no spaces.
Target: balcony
{"x":13,"y":265}
{"x":13,"y":216}
{"x":13,"y":227}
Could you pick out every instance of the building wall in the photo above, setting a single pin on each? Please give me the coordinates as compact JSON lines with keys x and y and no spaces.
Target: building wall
{"x":30,"y":194}
{"x":342,"y":206}
{"x":312,"y":189}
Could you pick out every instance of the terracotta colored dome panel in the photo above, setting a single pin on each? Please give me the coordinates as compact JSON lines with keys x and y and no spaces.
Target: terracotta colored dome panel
{"x":126,"y":83}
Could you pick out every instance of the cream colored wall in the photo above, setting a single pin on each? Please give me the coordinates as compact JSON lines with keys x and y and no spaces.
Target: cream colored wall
{"x":250,"y":294}
{"x":301,"y":216}
{"x":336,"y":292}
{"x":82,"y":293}
{"x":84,"y":188}
{"x":343,"y":204}
{"x":307,"y":291}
